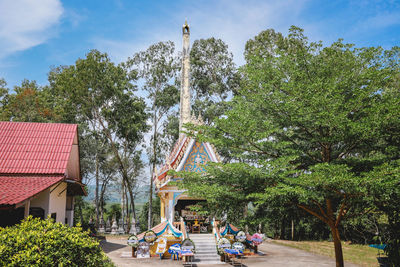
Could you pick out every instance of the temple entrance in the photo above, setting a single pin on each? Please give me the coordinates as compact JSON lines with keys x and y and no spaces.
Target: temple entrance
{"x":195,"y":222}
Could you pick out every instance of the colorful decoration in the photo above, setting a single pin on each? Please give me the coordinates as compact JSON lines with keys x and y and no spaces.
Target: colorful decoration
{"x":188,"y":244}
{"x":240,"y":236}
{"x":229,"y":229}
{"x":198,"y":157}
{"x":230,"y":237}
{"x":175,"y":251}
{"x":238,"y":246}
{"x":166,"y":225}
{"x":150,"y":236}
{"x":223,"y":243}
{"x":143,"y":250}
{"x":161,"y":247}
{"x":133,"y":241}
{"x":233,"y":251}
{"x":256,"y":239}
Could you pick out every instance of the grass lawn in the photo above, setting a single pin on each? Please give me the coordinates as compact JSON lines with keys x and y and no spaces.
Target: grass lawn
{"x":362,"y":255}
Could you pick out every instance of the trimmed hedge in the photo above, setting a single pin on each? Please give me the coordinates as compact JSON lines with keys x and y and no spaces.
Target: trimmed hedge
{"x":36,"y":242}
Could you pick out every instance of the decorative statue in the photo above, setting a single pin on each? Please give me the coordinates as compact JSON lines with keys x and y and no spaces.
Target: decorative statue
{"x":108,"y":226}
{"x":132,"y":230}
{"x":114,"y":226}
{"x":101,"y":226}
{"x":121,"y":230}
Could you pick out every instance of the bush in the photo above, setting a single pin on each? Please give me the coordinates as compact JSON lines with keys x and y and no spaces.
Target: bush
{"x":36,"y":242}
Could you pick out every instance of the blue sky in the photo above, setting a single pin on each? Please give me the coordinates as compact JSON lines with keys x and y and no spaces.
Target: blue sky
{"x":38,"y":34}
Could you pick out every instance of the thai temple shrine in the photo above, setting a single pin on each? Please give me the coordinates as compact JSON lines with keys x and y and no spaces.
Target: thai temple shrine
{"x":187,"y":155}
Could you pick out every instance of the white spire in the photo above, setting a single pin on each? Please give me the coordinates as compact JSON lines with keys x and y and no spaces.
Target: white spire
{"x":185,"y":89}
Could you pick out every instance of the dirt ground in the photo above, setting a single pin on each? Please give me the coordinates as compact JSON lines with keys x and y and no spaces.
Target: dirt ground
{"x":274,"y":255}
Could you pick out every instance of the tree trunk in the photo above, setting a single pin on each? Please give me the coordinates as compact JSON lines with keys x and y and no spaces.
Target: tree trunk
{"x":97,"y":189}
{"x":333,"y":224}
{"x":150,"y":215}
{"x":101,"y":197}
{"x":127,"y":204}
{"x":292,"y":229}
{"x":338,"y":246}
{"x":282,"y":234}
{"x":132,"y":203}
{"x":123,"y":202}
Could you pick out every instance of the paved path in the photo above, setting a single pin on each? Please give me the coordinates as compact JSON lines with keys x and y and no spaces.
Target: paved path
{"x":275,"y":255}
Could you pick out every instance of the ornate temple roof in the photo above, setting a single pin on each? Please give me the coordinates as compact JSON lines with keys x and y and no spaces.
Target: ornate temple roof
{"x":186,"y":155}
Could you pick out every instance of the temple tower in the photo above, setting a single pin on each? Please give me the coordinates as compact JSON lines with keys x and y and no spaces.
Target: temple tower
{"x":185,"y":89}
{"x":186,"y":155}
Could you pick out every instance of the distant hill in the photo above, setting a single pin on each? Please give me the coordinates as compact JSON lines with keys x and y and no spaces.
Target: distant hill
{"x":113,"y":194}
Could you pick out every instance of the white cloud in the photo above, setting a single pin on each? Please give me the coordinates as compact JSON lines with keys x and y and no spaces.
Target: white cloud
{"x":26,"y":23}
{"x":381,"y":20}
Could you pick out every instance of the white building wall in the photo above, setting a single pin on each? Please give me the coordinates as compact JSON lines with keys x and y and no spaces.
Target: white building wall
{"x":57,"y":201}
{"x":41,"y":201}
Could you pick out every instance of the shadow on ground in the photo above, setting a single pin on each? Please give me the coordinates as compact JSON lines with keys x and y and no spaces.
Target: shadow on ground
{"x":109,"y":246}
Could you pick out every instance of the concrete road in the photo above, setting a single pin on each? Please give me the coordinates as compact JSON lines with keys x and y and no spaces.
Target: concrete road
{"x":275,"y":255}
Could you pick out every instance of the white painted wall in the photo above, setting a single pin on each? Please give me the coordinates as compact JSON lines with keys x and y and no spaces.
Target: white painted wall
{"x":41,"y":201}
{"x":57,"y":201}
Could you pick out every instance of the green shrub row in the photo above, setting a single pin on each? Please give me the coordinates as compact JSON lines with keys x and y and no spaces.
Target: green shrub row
{"x":36,"y":242}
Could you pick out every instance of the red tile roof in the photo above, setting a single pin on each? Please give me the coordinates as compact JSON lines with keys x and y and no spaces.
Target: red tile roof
{"x":16,"y":189}
{"x":35,"y":148}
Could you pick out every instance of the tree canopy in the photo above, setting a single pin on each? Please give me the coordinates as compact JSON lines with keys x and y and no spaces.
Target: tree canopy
{"x":310,"y":117}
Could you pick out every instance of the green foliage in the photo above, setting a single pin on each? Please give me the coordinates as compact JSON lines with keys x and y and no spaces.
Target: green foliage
{"x":112,"y":210}
{"x":97,"y":92}
{"x":226,"y":187}
{"x":37,"y":242}
{"x":83,"y":212}
{"x":384,"y":185}
{"x":29,"y":103}
{"x":158,"y":67}
{"x":313,"y":120}
{"x":3,"y":99}
{"x":143,"y":216}
{"x":213,"y":77}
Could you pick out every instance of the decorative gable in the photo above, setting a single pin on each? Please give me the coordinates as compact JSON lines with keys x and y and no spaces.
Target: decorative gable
{"x":197,"y":158}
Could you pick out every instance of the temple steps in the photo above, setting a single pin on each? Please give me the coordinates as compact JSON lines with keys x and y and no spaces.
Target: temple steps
{"x":206,"y":250}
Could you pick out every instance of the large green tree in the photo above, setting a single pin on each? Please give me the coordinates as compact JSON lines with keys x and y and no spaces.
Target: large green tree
{"x":309,"y":116}
{"x":157,"y":67}
{"x":101,"y":95}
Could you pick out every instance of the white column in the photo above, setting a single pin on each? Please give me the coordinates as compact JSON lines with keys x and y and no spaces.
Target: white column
{"x":171,"y":211}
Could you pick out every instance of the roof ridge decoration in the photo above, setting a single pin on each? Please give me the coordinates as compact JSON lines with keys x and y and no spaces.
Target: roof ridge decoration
{"x":181,"y":156}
